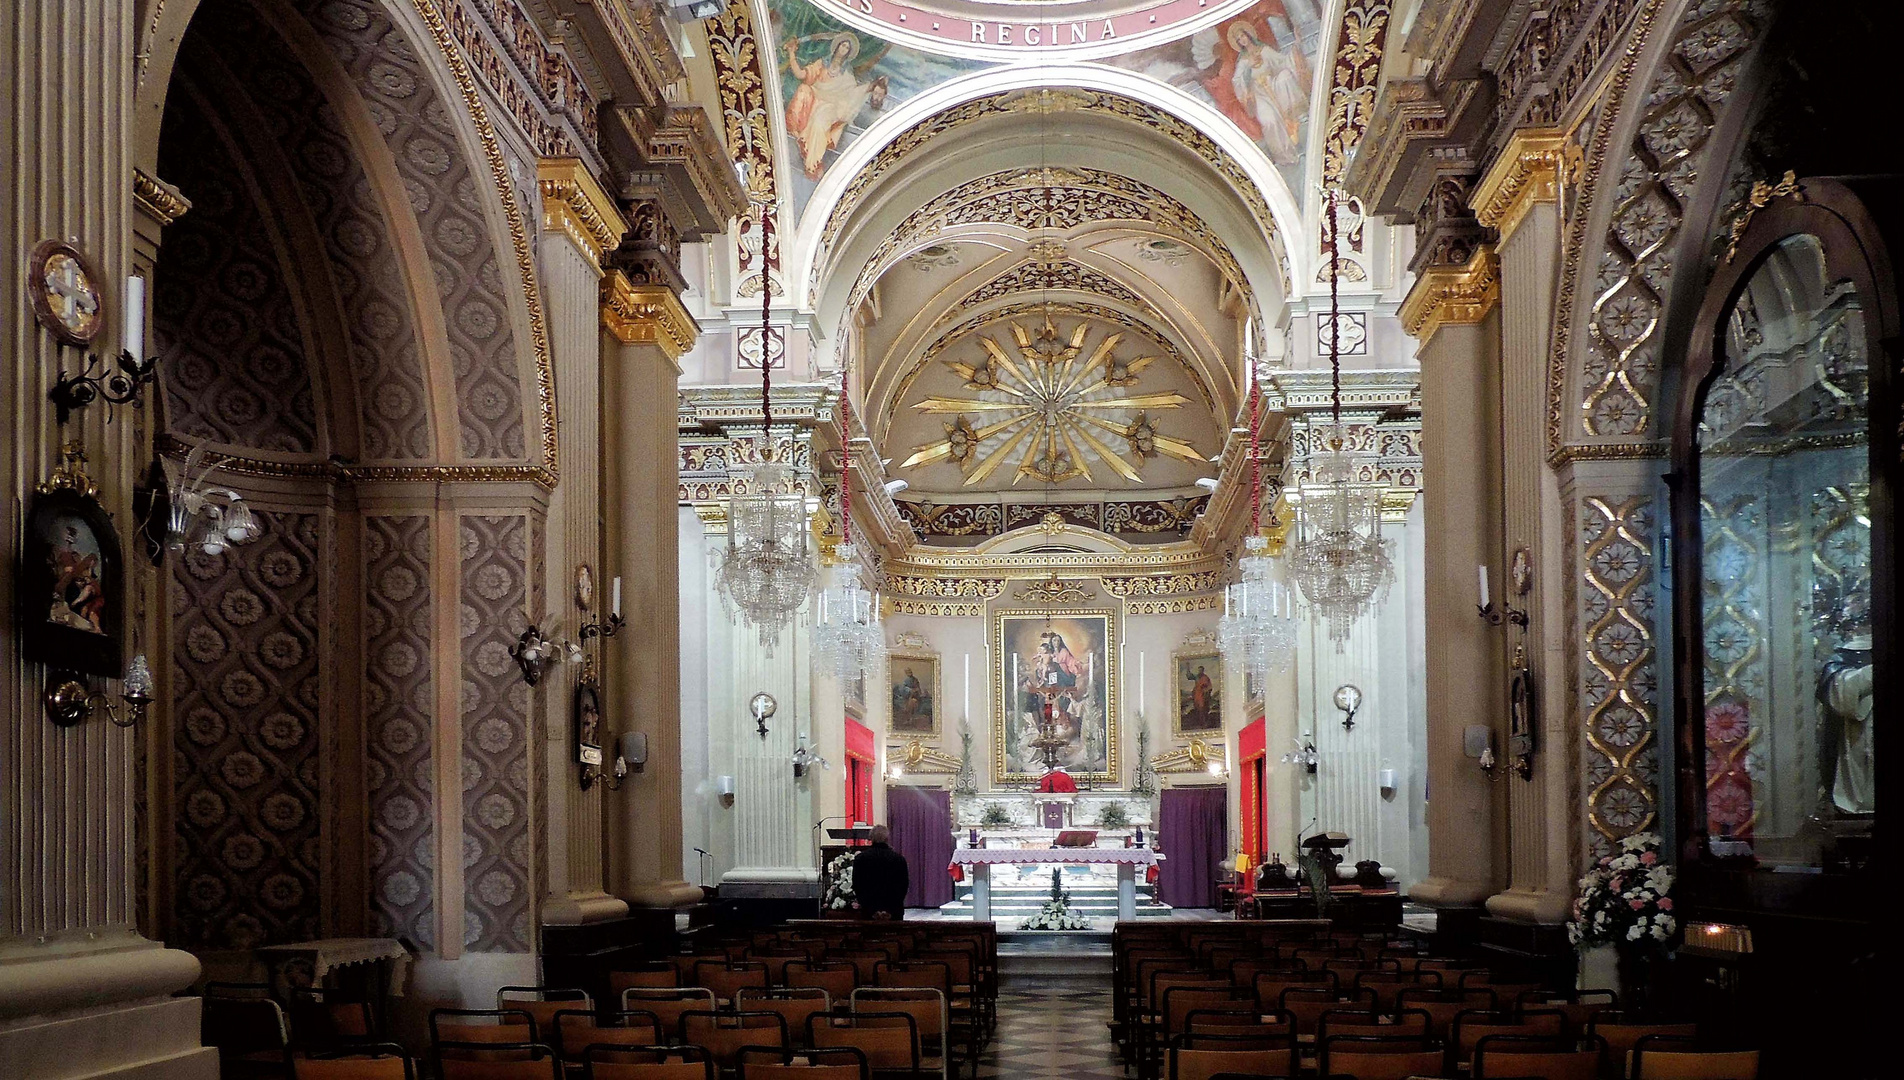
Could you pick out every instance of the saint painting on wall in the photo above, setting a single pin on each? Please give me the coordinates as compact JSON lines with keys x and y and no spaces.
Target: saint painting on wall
{"x":1199,"y":693}
{"x":1056,"y":686}
{"x":914,"y":687}
{"x":70,"y":599}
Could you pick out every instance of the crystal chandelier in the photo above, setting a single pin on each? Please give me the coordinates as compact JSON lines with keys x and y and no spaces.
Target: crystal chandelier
{"x":1341,"y":562}
{"x":1258,"y":629}
{"x":847,"y":637}
{"x":766,"y":571}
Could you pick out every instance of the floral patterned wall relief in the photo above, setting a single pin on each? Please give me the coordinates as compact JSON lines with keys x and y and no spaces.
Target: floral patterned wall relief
{"x":246,"y":770}
{"x":399,"y":705}
{"x":1619,"y":678}
{"x":497,"y":841}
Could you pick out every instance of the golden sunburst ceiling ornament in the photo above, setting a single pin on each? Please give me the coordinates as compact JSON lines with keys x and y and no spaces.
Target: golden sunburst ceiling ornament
{"x":1055,"y":409}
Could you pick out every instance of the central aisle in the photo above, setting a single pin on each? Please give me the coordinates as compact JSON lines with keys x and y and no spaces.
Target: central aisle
{"x":1050,"y":1027}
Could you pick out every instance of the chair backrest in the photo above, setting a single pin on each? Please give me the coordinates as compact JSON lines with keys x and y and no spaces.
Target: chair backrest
{"x":1470,"y":1027}
{"x":324,"y":1018}
{"x":927,"y":974}
{"x":837,"y":978}
{"x":1442,"y":1006}
{"x":1388,"y":985}
{"x":668,"y":1005}
{"x":542,"y":1003}
{"x":724,"y":1033}
{"x":1374,"y":1057}
{"x":608,"y":1062}
{"x":1264,"y":1033}
{"x":835,"y":1063}
{"x":890,"y":1040}
{"x":1621,"y":1037}
{"x":1179,"y":1001}
{"x":1513,"y":1055}
{"x":1665,"y":1057}
{"x":961,"y":962}
{"x":684,"y":964}
{"x":648,"y":975}
{"x":1204,"y":1057}
{"x":1305,"y":1005}
{"x":516,"y":1061}
{"x":243,"y":1025}
{"x":374,"y":1061}
{"x":925,"y":1004}
{"x":727,"y":977}
{"x":576,"y":1031}
{"x":480,"y":1034}
{"x":1269,"y":985}
{"x":1412,"y":1023}
{"x":793,"y":1003}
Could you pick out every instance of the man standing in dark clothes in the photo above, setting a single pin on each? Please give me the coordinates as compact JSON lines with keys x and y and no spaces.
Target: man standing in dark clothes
{"x":880,"y":878}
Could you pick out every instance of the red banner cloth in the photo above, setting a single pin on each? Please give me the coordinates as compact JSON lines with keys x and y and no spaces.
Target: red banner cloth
{"x":1057,"y":782}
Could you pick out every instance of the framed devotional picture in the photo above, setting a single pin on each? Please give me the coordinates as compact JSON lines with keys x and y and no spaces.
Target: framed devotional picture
{"x":71,"y":597}
{"x":1055,"y":679}
{"x":913,"y":685}
{"x":1199,"y":694}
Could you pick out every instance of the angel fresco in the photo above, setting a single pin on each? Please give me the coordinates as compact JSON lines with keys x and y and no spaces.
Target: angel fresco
{"x":1263,"y":88}
{"x":833,"y":90}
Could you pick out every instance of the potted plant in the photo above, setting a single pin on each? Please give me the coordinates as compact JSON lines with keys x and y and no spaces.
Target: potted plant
{"x":1057,"y":913}
{"x":995,"y":816}
{"x":1113,"y":816}
{"x":1625,"y":908}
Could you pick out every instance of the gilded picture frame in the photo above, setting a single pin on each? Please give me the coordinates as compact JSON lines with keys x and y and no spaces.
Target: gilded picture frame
{"x":913,"y":700}
{"x":1073,"y":653}
{"x":1192,"y":669}
{"x":70,"y":598}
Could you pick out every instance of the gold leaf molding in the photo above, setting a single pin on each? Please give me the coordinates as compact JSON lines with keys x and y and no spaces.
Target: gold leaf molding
{"x":1458,"y":296}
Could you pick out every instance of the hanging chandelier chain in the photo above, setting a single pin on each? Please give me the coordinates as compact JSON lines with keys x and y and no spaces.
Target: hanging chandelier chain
{"x":1335,"y":311}
{"x":767,"y":261}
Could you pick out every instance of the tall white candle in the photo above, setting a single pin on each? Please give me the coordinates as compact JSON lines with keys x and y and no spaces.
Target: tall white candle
{"x":968,"y":686}
{"x":135,"y":317}
{"x":1140,"y":682}
{"x":1481,"y":573}
{"x":614,"y":605}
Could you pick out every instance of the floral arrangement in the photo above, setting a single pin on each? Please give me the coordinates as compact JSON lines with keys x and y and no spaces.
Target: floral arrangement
{"x":1625,"y":898}
{"x":1113,"y":816}
{"x":840,"y":895}
{"x":1057,"y":913}
{"x":995,"y":816}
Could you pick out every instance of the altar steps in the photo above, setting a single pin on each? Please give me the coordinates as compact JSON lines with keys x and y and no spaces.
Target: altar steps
{"x":1012,"y":904}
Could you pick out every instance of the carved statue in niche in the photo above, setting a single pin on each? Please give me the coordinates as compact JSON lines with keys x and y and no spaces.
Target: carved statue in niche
{"x":1844,"y":688}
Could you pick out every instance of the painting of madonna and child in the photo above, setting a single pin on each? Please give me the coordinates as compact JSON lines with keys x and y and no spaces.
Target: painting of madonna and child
{"x":1060,"y":667}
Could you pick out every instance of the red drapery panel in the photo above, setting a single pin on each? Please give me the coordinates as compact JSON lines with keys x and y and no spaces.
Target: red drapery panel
{"x":1195,"y":829}
{"x":921,"y":823}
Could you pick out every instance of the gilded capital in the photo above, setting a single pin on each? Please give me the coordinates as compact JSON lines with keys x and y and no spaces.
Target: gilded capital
{"x":1457,"y":295}
{"x":1527,"y":172}
{"x":647,"y":315}
{"x":574,"y":205}
{"x":159,"y":200}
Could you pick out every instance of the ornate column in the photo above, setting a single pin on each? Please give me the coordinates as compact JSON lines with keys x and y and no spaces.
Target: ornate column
{"x":645,"y":332}
{"x":1519,"y":199}
{"x":1451,"y":312}
{"x":82,"y":992}
{"x":580,"y":226}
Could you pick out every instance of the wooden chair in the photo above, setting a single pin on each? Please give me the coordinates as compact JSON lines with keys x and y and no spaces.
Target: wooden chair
{"x":836,"y":977}
{"x":668,"y":1006}
{"x":685,"y":964}
{"x":1272,"y":1032}
{"x":931,"y":1019}
{"x":1269,"y":986}
{"x":323,"y":1019}
{"x":1514,"y":1055}
{"x":542,"y":1003}
{"x":793,"y":1003}
{"x":575,"y":1031}
{"x":1305,"y":1006}
{"x":722,"y":1034}
{"x":660,"y":974}
{"x":371,"y":1061}
{"x":1578,"y":1006}
{"x":513,"y":1061}
{"x":480,"y":1034}
{"x":1203,"y":1057}
{"x":1442,"y":1006}
{"x":837,"y":1063}
{"x":647,"y":1063}
{"x":1470,"y":1027}
{"x":889,"y":1040}
{"x":1412,"y":1024}
{"x":727,"y":978}
{"x":252,"y":1035}
{"x":1378,"y":1057}
{"x":1622,"y":1037}
{"x":1388,"y":985}
{"x":1667,"y":1057}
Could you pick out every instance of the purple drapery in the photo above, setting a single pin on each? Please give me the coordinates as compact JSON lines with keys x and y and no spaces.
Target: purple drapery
{"x":1195,"y":830}
{"x":921,"y":823}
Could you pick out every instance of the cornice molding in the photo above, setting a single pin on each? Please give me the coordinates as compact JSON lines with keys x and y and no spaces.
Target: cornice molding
{"x":1458,"y":296}
{"x":1527,"y":172}
{"x":159,"y":200}
{"x":647,"y":315}
{"x":574,"y":205}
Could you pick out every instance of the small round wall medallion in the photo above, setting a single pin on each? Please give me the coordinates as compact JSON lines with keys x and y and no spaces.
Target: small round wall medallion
{"x":64,"y":290}
{"x":1348,"y":698}
{"x":1520,"y":572}
{"x":584,"y":587}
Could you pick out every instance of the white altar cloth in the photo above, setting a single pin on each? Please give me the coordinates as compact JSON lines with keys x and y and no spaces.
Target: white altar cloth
{"x":981,"y":860}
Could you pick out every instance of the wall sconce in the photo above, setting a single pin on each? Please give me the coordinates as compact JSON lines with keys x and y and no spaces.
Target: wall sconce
{"x":1304,"y":754}
{"x":762,"y":706}
{"x":1521,"y":577}
{"x":533,"y":653}
{"x":805,"y":758}
{"x":69,"y":701}
{"x":1218,"y":769}
{"x":724,"y":787}
{"x":1348,"y":698}
{"x":609,"y":627}
{"x":196,"y":515}
{"x":134,"y":371}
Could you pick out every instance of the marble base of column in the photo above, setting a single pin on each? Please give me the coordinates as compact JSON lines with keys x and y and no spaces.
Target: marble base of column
{"x":1531,"y":906}
{"x":100,"y":1007}
{"x":582,"y":909}
{"x":665,"y":894}
{"x":1436,"y":891}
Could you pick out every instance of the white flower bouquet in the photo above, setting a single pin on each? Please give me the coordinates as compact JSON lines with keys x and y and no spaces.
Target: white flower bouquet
{"x":839,"y":884}
{"x":1626,"y":899}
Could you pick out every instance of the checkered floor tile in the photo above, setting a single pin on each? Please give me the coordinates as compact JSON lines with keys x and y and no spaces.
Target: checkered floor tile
{"x":1052,"y":1029}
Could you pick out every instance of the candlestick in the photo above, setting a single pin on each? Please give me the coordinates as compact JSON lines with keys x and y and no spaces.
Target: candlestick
{"x":614,"y":606}
{"x":968,"y":686}
{"x":1140,"y":682}
{"x":135,"y":317}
